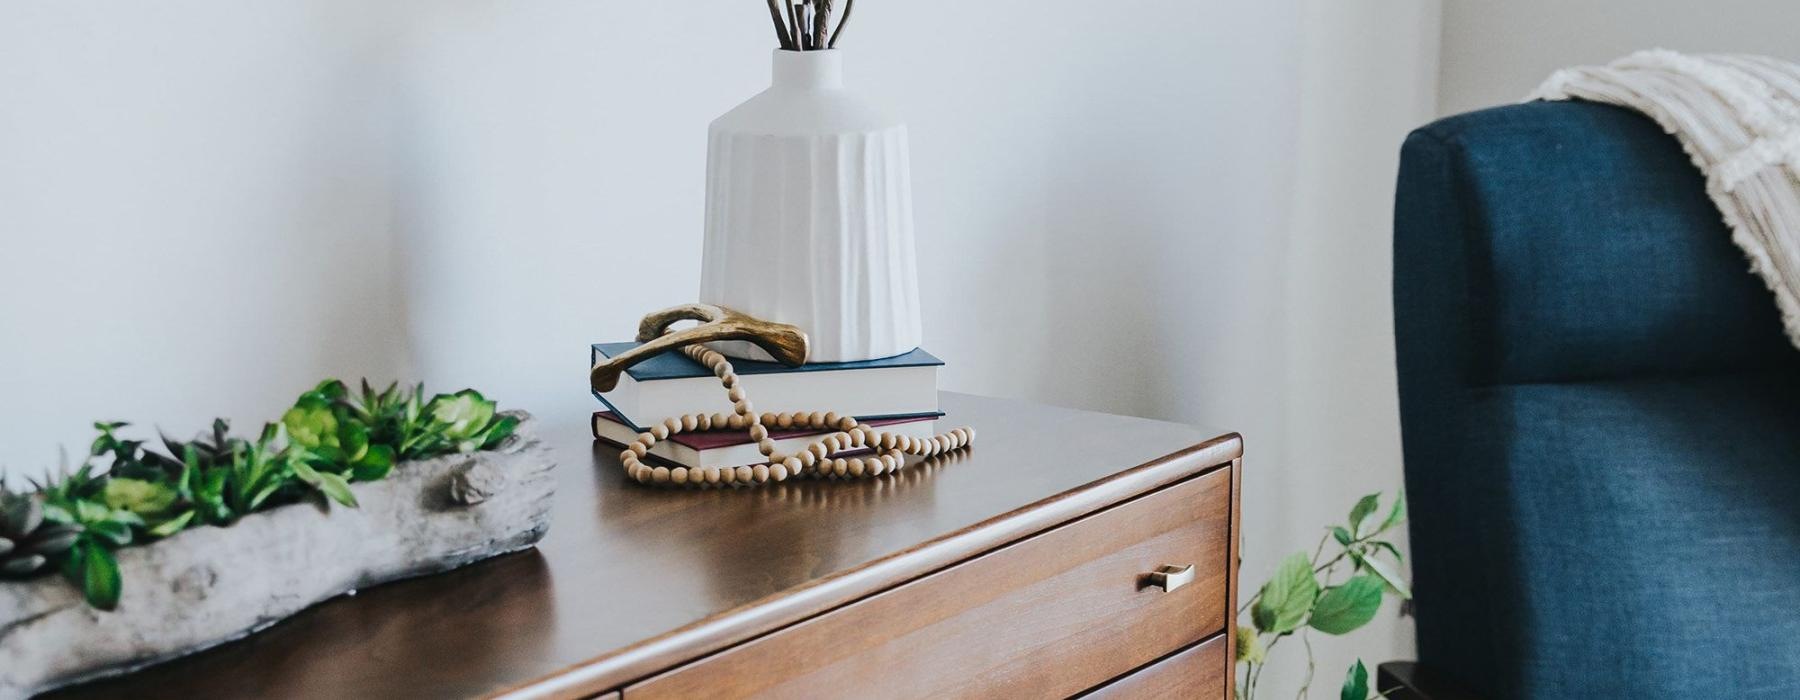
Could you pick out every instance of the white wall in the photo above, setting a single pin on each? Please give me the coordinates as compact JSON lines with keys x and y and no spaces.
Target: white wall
{"x":195,"y":213}
{"x":1182,"y":215}
{"x":1496,"y":52}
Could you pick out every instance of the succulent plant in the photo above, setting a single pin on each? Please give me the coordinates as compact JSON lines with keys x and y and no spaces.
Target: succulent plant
{"x":123,"y":494}
{"x":28,"y":542}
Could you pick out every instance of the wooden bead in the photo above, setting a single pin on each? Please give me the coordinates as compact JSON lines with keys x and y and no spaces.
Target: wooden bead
{"x":890,"y":449}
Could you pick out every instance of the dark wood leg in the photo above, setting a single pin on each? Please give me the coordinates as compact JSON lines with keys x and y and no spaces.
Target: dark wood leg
{"x":1405,"y":680}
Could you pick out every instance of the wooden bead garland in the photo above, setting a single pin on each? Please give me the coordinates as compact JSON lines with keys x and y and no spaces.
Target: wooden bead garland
{"x":813,"y":461}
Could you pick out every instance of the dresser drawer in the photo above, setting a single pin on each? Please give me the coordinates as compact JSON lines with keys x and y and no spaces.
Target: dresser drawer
{"x":1051,"y":615}
{"x":1198,"y":672}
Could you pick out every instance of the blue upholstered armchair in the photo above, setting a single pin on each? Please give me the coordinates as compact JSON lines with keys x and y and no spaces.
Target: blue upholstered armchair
{"x":1601,"y":418}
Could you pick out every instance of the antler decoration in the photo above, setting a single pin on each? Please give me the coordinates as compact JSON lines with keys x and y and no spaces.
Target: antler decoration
{"x":784,"y":342}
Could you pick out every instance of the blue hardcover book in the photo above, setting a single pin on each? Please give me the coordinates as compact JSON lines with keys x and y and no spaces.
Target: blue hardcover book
{"x":672,"y":384}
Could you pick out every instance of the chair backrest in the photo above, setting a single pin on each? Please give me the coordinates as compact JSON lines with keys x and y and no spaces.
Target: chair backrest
{"x":1552,"y":262}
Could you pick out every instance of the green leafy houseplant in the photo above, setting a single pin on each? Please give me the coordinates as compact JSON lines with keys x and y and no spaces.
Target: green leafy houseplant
{"x":1306,"y":594}
{"x":124,"y":494}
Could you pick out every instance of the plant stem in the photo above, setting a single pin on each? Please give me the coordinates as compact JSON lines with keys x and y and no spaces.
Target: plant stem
{"x":781,"y":32}
{"x":1306,"y":684}
{"x":839,"y":32}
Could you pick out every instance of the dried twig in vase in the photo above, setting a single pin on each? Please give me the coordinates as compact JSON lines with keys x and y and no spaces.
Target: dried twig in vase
{"x":793,"y":8}
{"x":781,"y":32}
{"x":839,"y":32}
{"x":821,"y":19}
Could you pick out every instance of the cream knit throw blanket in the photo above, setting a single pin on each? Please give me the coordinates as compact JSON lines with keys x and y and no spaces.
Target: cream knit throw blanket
{"x":1738,"y":118}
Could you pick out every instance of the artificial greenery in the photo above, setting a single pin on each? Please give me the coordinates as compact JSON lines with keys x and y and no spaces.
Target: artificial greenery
{"x":124,"y":493}
{"x":1305,"y":595}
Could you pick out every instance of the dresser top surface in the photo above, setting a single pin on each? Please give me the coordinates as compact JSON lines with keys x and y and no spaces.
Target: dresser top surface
{"x":625,"y":566}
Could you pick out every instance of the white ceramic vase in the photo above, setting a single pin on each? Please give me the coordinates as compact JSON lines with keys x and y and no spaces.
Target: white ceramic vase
{"x":809,"y":215}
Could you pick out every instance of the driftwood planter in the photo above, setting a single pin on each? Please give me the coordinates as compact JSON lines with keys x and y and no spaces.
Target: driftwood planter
{"x":210,"y":585}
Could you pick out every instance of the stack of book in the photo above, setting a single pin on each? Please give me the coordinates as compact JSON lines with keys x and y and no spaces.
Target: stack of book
{"x":895,"y":394}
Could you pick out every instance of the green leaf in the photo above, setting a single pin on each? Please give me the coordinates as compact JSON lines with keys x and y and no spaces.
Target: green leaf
{"x":115,"y":532}
{"x":354,"y":438}
{"x":375,"y":464}
{"x":100,"y":580}
{"x":463,"y":414}
{"x":306,"y":473}
{"x":173,"y":525}
{"x":1341,"y":535}
{"x":1356,"y":683}
{"x":89,"y":511}
{"x":501,"y":429}
{"x":1282,"y":604}
{"x":1384,"y":571}
{"x":1395,"y":516}
{"x":138,"y":496}
{"x":256,"y":499}
{"x":1347,"y":607}
{"x":339,"y":490}
{"x":1391,"y":549}
{"x":1362,"y":510}
{"x":311,"y":425}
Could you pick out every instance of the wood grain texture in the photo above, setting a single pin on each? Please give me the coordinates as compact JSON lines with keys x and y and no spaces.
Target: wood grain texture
{"x":1195,"y":673}
{"x":1231,"y":581}
{"x":632,"y":581}
{"x":1047,"y":617}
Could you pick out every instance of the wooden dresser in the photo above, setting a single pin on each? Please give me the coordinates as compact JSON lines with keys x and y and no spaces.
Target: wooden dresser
{"x":1034,"y":565}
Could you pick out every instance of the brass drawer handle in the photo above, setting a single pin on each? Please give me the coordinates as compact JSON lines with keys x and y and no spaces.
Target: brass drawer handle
{"x":1170,"y":577}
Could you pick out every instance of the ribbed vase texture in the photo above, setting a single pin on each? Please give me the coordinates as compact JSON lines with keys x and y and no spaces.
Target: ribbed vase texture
{"x":809,"y":216}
